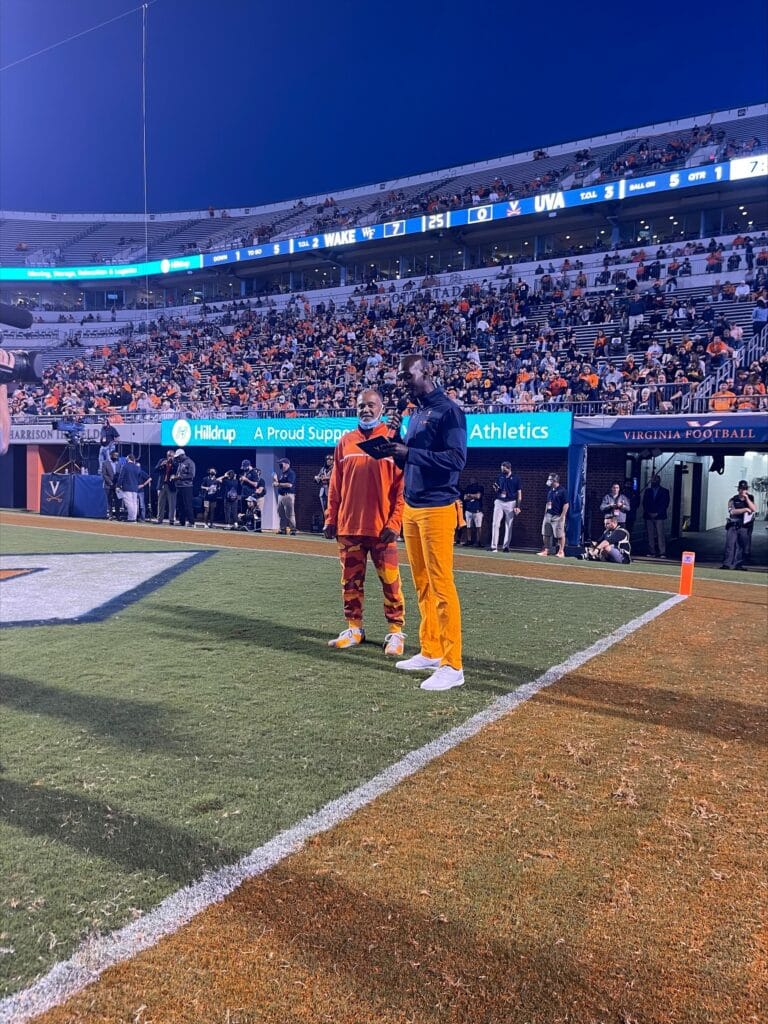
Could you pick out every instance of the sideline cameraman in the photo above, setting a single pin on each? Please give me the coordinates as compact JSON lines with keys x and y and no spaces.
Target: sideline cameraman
{"x":613,"y":546}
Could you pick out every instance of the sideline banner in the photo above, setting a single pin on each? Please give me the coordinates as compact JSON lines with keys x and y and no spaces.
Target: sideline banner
{"x":89,"y":500}
{"x":629,"y":431}
{"x":56,"y":494}
{"x":487,"y":430}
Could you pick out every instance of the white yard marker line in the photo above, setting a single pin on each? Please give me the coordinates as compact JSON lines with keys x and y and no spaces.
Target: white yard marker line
{"x":571,"y":564}
{"x":313,"y":554}
{"x":564,"y":583}
{"x":90,"y":961}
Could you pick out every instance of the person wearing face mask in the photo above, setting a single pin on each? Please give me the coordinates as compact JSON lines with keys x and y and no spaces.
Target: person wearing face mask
{"x":555,"y":512}
{"x":364,"y":514}
{"x":209,"y":490}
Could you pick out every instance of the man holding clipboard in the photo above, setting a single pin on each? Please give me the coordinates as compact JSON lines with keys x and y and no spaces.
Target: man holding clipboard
{"x":433,"y":455}
{"x":364,"y":514}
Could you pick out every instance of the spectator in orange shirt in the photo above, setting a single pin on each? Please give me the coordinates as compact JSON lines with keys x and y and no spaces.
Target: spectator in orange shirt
{"x":364,"y":514}
{"x":718,"y":351}
{"x":724,"y":399}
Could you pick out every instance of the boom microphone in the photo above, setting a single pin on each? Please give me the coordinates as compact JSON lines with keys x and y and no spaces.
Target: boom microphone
{"x":15,"y":316}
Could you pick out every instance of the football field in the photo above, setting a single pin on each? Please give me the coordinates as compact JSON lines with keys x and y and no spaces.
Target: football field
{"x":171,"y":705}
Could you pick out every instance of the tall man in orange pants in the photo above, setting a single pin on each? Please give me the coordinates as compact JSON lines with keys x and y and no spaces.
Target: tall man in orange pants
{"x":364,"y":513}
{"x":433,"y":454}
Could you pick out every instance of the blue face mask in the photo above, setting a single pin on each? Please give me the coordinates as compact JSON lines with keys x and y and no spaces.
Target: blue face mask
{"x":368,"y":424}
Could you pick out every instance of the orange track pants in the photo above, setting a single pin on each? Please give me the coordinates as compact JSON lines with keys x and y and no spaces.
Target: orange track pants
{"x":429,"y":534}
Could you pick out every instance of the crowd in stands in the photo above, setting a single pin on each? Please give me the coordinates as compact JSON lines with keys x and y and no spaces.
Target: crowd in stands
{"x":649,"y":156}
{"x":498,"y":345}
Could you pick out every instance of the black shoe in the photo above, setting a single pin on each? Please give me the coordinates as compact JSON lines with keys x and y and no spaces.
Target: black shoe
{"x":725,"y":566}
{"x":505,"y":549}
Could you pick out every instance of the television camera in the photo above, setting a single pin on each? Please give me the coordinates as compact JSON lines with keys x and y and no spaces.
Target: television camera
{"x":18,"y":366}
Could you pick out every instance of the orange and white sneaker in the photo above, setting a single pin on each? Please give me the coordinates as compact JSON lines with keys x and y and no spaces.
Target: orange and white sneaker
{"x":394,"y":644}
{"x":350,"y":637}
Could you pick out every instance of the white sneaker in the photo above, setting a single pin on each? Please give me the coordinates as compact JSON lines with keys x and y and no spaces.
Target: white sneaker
{"x":418,"y":663}
{"x":444,"y":678}
{"x":394,"y":644}
{"x":351,"y":637}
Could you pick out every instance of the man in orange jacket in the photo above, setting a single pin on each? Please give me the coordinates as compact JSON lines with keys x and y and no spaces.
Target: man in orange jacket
{"x":364,"y":514}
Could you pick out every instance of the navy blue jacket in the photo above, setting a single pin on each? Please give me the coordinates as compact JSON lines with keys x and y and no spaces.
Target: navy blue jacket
{"x":657,"y":501}
{"x":129,"y":476}
{"x":437,"y":452}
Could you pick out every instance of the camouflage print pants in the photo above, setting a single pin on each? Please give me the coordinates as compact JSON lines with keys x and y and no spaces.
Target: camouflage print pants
{"x":353,"y":553}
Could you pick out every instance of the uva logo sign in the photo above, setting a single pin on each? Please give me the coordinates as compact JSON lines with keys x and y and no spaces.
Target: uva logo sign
{"x":548,"y":202}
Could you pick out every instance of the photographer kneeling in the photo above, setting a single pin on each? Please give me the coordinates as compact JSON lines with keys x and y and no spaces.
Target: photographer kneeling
{"x":613,"y":546}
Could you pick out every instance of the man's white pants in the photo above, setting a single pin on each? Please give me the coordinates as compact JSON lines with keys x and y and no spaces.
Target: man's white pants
{"x":131,"y":502}
{"x":502,"y":511}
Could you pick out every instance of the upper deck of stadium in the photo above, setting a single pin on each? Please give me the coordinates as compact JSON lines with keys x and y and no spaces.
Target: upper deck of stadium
{"x":59,"y":239}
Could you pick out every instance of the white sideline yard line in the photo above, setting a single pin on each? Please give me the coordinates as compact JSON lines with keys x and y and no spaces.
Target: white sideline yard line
{"x":335,"y":558}
{"x":94,"y":956}
{"x":572,"y":564}
{"x":564,"y":583}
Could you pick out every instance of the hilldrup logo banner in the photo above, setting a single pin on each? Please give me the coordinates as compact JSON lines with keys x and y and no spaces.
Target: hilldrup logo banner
{"x":488,"y":430}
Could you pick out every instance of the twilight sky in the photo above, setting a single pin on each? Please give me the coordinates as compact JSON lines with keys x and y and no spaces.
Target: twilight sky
{"x":250,"y":101}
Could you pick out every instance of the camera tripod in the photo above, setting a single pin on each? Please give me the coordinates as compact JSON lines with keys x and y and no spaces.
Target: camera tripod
{"x":71,"y":459}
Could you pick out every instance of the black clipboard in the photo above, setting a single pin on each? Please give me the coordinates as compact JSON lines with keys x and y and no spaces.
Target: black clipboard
{"x":376,"y":446}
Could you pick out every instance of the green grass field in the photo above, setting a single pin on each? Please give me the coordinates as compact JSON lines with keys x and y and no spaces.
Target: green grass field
{"x":194,"y":724}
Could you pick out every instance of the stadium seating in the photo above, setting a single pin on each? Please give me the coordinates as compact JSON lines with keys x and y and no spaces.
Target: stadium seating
{"x":79,"y":241}
{"x":291,"y":357}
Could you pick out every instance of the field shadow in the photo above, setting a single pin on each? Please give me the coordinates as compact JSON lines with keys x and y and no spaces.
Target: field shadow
{"x":135,"y":723}
{"x":136,"y":841}
{"x":385,"y":956}
{"x":716,"y":716}
{"x":496,"y":677}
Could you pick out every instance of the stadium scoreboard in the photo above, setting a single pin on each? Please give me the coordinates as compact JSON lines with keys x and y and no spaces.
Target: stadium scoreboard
{"x":545,"y":203}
